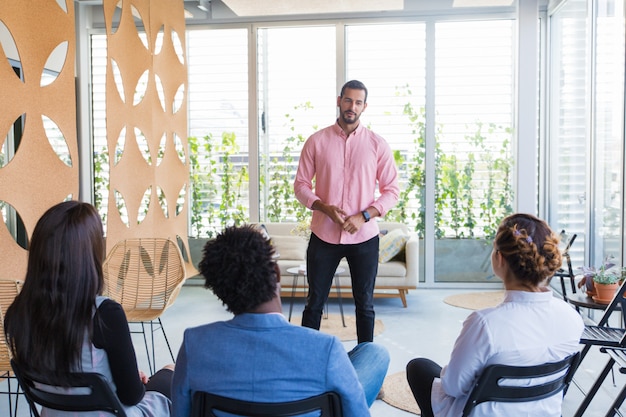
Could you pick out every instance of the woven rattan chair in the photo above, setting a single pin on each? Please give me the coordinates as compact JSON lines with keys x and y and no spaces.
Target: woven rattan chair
{"x":8,"y":291}
{"x":145,"y":276}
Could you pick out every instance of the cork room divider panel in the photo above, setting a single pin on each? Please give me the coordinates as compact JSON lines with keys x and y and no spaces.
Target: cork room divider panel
{"x":38,"y":139}
{"x":146,"y":110}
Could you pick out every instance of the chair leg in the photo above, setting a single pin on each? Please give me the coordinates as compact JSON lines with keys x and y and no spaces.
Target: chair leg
{"x":617,"y":403}
{"x":145,"y":341}
{"x":167,"y":342}
{"x":594,"y":389}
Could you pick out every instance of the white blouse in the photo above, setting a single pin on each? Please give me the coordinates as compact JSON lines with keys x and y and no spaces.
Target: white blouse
{"x":527,"y":328}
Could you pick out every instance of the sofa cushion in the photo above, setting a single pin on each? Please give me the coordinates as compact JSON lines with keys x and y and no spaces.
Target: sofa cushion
{"x":391,"y":245}
{"x":289,"y":247}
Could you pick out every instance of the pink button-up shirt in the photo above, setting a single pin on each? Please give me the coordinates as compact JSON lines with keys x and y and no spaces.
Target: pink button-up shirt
{"x":346,"y":171}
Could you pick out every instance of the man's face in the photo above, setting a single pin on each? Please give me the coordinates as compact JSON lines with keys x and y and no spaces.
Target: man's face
{"x":351,"y":105}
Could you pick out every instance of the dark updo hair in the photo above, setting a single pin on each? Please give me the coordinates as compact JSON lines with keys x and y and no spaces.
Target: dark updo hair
{"x":238,"y":266}
{"x":529,"y":246}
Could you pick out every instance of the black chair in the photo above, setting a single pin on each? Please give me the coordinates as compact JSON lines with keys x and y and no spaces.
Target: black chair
{"x":616,"y":355}
{"x":488,"y":388}
{"x":603,"y":335}
{"x":204,"y":403}
{"x":561,"y":273}
{"x":95,"y":394}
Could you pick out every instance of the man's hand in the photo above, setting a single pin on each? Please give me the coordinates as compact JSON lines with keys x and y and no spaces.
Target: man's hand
{"x":336,"y":214}
{"x":353,"y":223}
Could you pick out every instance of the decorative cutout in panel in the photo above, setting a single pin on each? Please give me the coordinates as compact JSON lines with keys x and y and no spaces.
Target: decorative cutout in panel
{"x":118,"y":79}
{"x":158,"y":45}
{"x":57,"y":141}
{"x":12,"y":220}
{"x":180,"y":149}
{"x":37,"y":121}
{"x":140,"y":89}
{"x":120,"y":145}
{"x":7,"y":43}
{"x":146,"y":51}
{"x":178,"y":47}
{"x":144,"y":207}
{"x":120,"y":203}
{"x":163,"y":202}
{"x":180,"y":201}
{"x":178,"y":99}
{"x":162,"y":146}
{"x":10,"y":139}
{"x":54,"y":63}
{"x":160,"y":93}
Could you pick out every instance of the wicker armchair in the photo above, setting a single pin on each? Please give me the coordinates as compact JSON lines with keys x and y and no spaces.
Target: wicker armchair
{"x":145,"y":276}
{"x":8,"y":291}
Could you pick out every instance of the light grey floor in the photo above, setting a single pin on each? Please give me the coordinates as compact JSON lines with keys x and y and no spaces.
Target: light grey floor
{"x":427,"y":328}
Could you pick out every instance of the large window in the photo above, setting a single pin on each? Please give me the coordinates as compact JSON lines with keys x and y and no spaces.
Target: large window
{"x":440,"y":92}
{"x":218,"y":128}
{"x":587,"y":127}
{"x":568,"y":121}
{"x":296,"y":96}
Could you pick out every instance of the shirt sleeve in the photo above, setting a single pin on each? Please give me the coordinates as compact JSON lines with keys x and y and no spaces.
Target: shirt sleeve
{"x":468,"y":358}
{"x":303,"y":184}
{"x":112,"y":334}
{"x":387,"y":174}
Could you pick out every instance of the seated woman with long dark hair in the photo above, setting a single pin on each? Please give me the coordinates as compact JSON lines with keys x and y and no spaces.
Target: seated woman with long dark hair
{"x":60,"y":323}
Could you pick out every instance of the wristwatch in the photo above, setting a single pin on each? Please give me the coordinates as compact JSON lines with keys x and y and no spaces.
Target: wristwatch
{"x":366,"y":215}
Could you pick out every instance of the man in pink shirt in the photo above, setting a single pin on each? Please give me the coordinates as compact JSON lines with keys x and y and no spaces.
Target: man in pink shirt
{"x":350,"y":165}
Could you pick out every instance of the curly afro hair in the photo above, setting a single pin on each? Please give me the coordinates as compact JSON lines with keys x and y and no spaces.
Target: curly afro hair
{"x":239,"y":268}
{"x":529,"y":246}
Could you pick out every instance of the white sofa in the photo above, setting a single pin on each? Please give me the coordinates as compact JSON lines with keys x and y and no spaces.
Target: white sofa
{"x":395,"y":277}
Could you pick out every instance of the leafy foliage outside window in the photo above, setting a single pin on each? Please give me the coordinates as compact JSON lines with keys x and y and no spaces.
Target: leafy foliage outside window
{"x":473,"y":190}
{"x":219,"y":180}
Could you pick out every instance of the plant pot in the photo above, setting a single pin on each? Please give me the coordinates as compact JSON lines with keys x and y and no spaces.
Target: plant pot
{"x":604,"y":292}
{"x":590,"y":288}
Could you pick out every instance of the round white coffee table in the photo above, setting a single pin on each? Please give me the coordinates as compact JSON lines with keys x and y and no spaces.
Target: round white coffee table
{"x":300,"y":271}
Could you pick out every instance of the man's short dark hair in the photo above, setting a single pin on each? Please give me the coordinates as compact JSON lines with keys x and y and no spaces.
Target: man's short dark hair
{"x":354,"y":85}
{"x":238,"y":266}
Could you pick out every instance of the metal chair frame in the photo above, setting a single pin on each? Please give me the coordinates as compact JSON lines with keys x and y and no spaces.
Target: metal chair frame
{"x":604,"y":336}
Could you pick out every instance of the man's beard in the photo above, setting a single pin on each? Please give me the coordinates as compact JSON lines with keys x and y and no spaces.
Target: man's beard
{"x":348,"y":120}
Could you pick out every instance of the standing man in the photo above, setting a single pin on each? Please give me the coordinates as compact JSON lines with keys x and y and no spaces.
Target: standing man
{"x":347,"y":161}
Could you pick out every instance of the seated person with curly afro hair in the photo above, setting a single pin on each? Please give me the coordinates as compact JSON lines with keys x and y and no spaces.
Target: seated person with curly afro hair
{"x":258,"y":355}
{"x":530,"y":327}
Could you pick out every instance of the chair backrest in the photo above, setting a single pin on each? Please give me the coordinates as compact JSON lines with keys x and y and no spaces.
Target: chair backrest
{"x":8,"y":291}
{"x":144,"y":274}
{"x":617,"y":303}
{"x":88,"y":392}
{"x":204,"y":403}
{"x":488,"y":388}
{"x":561,"y":273}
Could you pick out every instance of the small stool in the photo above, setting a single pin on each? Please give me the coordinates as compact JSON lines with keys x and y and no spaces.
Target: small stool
{"x":296,"y":272}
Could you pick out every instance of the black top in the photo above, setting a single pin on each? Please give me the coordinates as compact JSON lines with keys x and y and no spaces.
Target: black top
{"x":111,"y":333}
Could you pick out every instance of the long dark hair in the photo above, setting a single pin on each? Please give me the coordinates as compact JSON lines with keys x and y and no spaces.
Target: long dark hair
{"x":47,"y":323}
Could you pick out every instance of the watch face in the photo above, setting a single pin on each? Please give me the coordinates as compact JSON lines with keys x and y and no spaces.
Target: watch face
{"x":366,"y":215}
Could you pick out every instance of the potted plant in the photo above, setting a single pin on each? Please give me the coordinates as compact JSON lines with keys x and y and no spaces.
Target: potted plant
{"x":601,"y":283}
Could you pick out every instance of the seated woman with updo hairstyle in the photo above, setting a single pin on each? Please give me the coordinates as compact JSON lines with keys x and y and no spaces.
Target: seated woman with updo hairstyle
{"x":530,"y":327}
